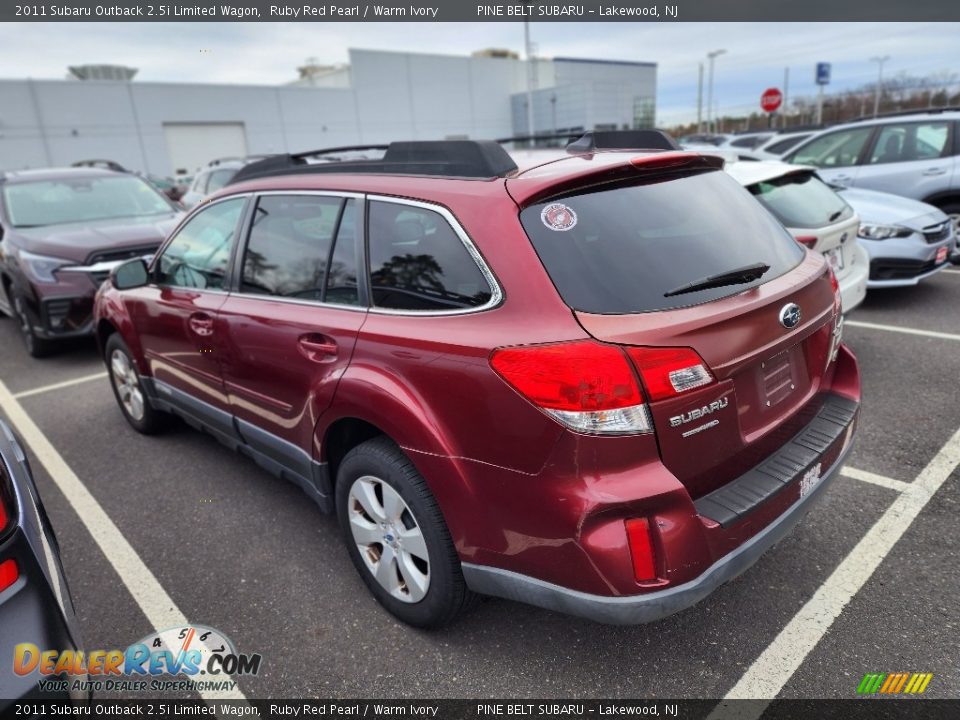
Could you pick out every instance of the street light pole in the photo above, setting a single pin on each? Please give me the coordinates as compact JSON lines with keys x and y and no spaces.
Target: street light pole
{"x":526,"y":40}
{"x":711,"y":56}
{"x":876,"y":95}
{"x":700,"y":100}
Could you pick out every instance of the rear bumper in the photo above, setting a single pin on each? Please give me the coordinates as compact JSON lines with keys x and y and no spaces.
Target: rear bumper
{"x":853,"y":284}
{"x":636,"y":609}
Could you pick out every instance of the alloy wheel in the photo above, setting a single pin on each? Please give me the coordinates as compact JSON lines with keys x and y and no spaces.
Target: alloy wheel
{"x":127,"y":384}
{"x":389,"y":539}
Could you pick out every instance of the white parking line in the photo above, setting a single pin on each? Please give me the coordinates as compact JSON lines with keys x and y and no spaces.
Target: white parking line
{"x":59,"y":385}
{"x":951,"y":272}
{"x":905,"y":331}
{"x":765,"y":678}
{"x":865,"y":476}
{"x":156,"y":604}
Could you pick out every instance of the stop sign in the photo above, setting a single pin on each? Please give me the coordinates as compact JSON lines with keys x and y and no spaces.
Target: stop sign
{"x":771,"y":99}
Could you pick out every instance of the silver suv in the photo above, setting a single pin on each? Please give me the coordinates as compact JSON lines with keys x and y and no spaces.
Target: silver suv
{"x":910,"y":154}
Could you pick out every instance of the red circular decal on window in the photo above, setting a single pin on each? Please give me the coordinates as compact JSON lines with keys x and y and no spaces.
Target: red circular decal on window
{"x":559,"y":217}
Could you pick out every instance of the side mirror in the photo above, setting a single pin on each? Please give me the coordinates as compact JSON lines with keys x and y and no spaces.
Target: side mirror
{"x":131,"y":274}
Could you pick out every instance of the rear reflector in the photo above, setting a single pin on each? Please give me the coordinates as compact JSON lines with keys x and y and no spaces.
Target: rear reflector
{"x":807,"y":240}
{"x":641,"y":549}
{"x":585,"y":385}
{"x":9,"y":572}
{"x":667,"y":372}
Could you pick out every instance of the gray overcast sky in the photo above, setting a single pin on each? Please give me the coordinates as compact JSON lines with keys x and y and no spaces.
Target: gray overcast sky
{"x":269,"y":53}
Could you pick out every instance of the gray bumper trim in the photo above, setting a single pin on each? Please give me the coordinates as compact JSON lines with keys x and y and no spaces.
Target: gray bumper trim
{"x":635,"y":609}
{"x":908,"y":282}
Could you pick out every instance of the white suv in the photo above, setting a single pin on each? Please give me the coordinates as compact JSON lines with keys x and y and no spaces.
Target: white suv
{"x":815,"y":215}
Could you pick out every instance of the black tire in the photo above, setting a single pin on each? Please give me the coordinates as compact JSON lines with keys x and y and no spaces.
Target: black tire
{"x":447,"y":594}
{"x":150,"y":420}
{"x":37,"y":347}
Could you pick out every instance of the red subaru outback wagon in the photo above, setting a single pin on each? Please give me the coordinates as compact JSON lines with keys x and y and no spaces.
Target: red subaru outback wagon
{"x":603,"y":385}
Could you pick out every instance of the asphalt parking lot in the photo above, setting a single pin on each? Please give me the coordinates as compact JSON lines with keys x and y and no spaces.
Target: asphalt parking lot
{"x":867,"y":583}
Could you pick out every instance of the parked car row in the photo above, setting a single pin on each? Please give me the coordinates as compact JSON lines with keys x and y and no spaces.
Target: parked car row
{"x":905,"y":240}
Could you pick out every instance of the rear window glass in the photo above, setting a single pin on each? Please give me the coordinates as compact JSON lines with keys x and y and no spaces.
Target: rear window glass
{"x":623,"y":250}
{"x":802,"y":200}
{"x":417,"y":262}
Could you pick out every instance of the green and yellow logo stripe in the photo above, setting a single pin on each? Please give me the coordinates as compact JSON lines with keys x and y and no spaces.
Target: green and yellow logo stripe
{"x":894,"y":683}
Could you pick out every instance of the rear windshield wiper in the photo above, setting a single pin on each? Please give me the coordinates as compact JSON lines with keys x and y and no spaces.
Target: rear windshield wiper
{"x":739,"y":276}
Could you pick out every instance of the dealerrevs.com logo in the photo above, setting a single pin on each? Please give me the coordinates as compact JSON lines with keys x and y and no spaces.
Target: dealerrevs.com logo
{"x":206,"y":657}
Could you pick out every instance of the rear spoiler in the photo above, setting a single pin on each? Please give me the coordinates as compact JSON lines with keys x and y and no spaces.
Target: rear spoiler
{"x":616,"y":167}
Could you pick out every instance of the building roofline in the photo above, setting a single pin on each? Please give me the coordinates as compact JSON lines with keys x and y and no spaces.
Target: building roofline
{"x":633,"y":63}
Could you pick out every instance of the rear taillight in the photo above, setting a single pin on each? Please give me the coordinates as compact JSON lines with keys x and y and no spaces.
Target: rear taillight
{"x":587,"y":386}
{"x":835,"y":284}
{"x":641,"y":549}
{"x":807,"y":240}
{"x":6,"y":501}
{"x":591,"y":387}
{"x":667,"y":372}
{"x":9,"y":572}
{"x":836,"y":336}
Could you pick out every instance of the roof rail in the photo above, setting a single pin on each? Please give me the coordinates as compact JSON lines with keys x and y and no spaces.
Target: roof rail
{"x":98,"y":163}
{"x":569,"y":137}
{"x":623,"y":140}
{"x":901,"y":113}
{"x":474,"y":159}
{"x":605,"y":140}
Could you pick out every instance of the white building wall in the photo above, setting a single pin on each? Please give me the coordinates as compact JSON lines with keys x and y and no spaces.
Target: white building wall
{"x":392,"y":96}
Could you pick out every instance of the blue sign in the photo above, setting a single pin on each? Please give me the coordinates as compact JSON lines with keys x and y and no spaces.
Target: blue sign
{"x":823,"y":73}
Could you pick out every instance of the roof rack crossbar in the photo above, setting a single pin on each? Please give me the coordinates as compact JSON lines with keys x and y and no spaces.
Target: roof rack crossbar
{"x":334,"y":150}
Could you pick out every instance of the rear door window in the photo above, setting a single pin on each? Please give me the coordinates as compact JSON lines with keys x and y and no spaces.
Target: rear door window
{"x":910,"y":141}
{"x":418,"y":262}
{"x":289,"y":246}
{"x":623,"y":250}
{"x":836,"y":149}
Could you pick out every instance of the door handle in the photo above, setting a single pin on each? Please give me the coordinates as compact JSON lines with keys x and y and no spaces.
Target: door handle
{"x":842,"y":179}
{"x":201,"y":324}
{"x":317,"y":347}
{"x":929,"y":172}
